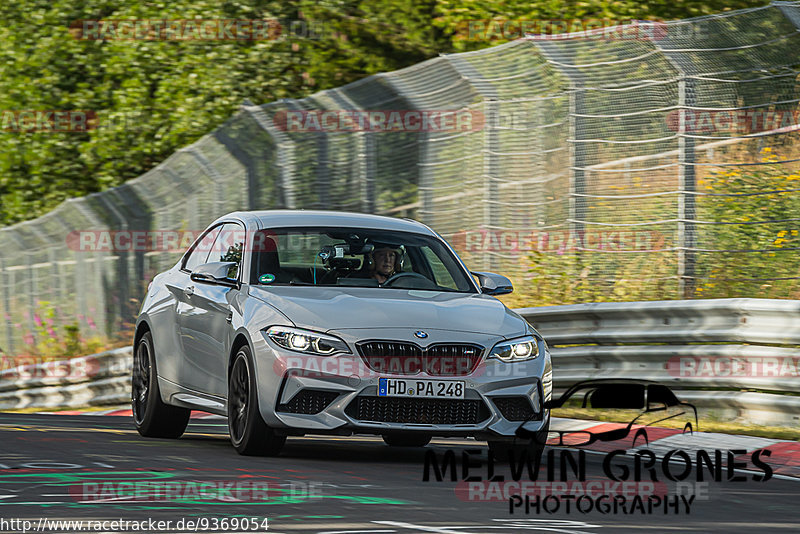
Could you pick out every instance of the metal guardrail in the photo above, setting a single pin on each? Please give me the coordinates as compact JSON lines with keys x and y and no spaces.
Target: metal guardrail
{"x":692,"y":346}
{"x":708,"y":351}
{"x":98,"y":380}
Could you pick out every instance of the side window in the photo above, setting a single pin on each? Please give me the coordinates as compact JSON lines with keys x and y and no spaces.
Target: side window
{"x":199,"y":254}
{"x":229,"y":246}
{"x":440,"y":272}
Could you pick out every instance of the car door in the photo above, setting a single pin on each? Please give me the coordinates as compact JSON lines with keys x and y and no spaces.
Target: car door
{"x":204,"y":320}
{"x":166,"y":330}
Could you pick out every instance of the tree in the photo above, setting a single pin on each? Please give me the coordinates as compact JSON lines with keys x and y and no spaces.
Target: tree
{"x":153,"y":97}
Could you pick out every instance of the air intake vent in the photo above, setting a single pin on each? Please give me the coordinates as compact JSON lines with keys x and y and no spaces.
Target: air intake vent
{"x":421,"y":411}
{"x":516,"y":408}
{"x":309,"y":402}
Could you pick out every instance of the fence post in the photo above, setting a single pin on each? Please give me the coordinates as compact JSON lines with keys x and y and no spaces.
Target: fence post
{"x":118,"y":314}
{"x":540,"y":168}
{"x":366,"y":156}
{"x":32,"y":301}
{"x":425,"y":188}
{"x":322,"y":175}
{"x":577,"y":150}
{"x":81,"y":305}
{"x":253,"y":191}
{"x":98,"y":262}
{"x":57,"y":287}
{"x":215,"y":178}
{"x":577,"y":158}
{"x":491,"y":172}
{"x":490,"y":97}
{"x":285,"y":148}
{"x":12,"y":285}
{"x":687,"y":212}
{"x":5,"y":288}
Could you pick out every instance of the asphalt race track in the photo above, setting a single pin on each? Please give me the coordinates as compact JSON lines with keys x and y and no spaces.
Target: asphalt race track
{"x":57,"y":467}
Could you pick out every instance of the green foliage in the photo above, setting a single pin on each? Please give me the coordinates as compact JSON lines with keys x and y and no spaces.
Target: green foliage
{"x":51,"y":342}
{"x":453,"y":16}
{"x":153,"y":97}
{"x":168,"y":93}
{"x":761,"y":206}
{"x":72,"y":339}
{"x":571,"y":278}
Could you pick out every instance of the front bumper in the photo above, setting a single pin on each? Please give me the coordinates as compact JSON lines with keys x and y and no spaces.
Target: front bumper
{"x":339,"y":395}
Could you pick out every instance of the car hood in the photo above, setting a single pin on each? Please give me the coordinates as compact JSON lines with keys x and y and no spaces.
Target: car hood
{"x":328,"y":309}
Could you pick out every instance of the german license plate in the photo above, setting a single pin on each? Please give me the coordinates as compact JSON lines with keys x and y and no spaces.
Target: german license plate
{"x":437,"y":389}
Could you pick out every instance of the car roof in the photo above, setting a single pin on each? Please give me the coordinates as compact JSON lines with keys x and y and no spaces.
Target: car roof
{"x":300,"y":218}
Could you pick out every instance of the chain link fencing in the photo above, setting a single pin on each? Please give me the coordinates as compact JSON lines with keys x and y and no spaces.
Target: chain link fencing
{"x":647,"y":161}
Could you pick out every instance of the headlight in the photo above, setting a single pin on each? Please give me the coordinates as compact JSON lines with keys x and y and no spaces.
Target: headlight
{"x":305,"y":341}
{"x":516,"y":350}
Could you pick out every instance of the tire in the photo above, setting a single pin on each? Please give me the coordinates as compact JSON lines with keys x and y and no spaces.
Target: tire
{"x":250,"y":436}
{"x":504,"y":449}
{"x":152,"y":417}
{"x":406,"y":440}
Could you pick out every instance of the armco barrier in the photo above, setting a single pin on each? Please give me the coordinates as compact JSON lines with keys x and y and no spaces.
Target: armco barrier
{"x":700,"y":348}
{"x":708,"y":351}
{"x":98,"y":380}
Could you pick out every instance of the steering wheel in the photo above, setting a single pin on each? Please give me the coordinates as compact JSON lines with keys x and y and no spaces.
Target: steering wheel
{"x":427,"y":283}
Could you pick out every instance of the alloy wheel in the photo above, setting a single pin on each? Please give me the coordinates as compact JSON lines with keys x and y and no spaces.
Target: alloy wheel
{"x":239,"y":394}
{"x":141,"y":381}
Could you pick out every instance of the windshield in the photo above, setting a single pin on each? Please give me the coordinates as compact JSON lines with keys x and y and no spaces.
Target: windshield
{"x":355,"y":257}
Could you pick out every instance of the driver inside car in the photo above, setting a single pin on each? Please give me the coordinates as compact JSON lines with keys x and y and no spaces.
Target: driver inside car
{"x":383,"y":263}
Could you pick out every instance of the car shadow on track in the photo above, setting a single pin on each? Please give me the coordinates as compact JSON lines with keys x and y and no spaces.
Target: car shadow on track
{"x":342,"y":449}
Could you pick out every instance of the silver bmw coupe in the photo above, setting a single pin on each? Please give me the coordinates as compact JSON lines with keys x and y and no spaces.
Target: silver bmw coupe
{"x":314,"y":322}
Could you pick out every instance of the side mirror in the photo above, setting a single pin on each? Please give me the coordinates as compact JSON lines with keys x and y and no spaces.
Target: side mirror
{"x":215,"y":273}
{"x":493,"y":284}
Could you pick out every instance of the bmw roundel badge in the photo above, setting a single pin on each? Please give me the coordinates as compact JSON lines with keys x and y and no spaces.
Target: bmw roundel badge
{"x":420,"y":334}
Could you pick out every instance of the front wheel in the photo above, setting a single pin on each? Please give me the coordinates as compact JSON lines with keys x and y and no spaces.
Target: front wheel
{"x":152,"y":417}
{"x":249,"y":434}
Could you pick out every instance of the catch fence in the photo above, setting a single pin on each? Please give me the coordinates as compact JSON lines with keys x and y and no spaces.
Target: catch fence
{"x":654,"y":161}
